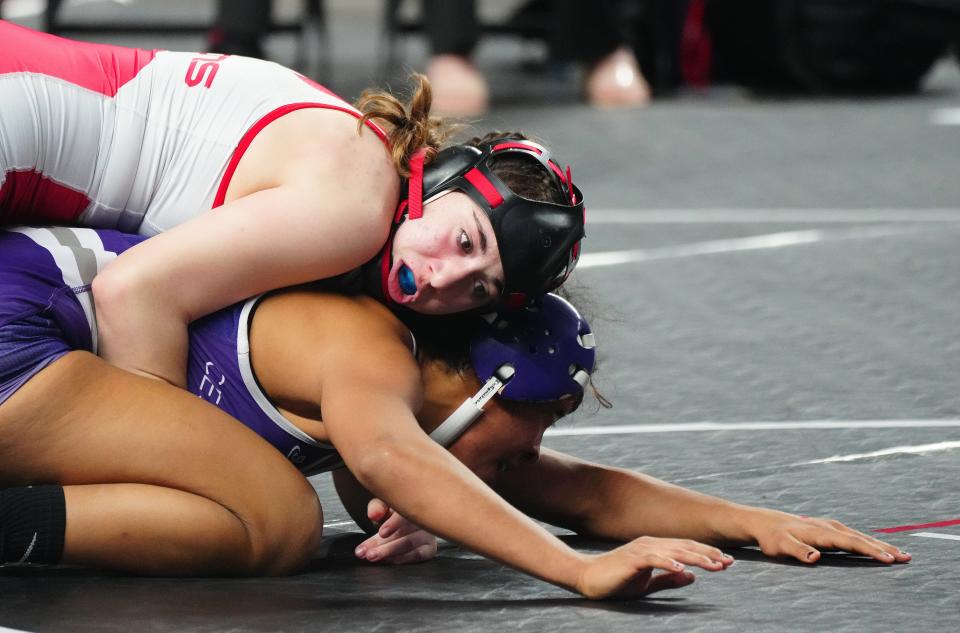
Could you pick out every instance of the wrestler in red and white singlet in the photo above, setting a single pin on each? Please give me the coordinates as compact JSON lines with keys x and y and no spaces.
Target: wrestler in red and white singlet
{"x":136,"y":140}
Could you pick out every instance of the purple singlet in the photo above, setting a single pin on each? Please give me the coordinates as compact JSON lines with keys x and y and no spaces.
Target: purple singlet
{"x":46,"y":311}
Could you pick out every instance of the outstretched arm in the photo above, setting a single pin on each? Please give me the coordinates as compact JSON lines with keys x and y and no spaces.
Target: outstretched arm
{"x":390,"y":456}
{"x":348,"y":360}
{"x":619,"y":504}
{"x":423,"y":482}
{"x":368,"y":398}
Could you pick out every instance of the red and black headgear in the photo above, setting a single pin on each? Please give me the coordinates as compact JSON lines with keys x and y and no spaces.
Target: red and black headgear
{"x":539,"y":241}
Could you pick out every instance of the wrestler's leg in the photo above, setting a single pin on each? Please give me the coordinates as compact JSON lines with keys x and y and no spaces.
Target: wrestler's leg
{"x":156,"y":480}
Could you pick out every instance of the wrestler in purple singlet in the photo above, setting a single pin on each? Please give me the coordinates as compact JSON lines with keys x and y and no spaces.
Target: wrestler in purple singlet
{"x":46,"y":310}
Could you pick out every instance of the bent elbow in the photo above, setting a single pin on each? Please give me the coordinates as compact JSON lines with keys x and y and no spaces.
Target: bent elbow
{"x":112,"y":289}
{"x":378,"y":464}
{"x":128,"y":291}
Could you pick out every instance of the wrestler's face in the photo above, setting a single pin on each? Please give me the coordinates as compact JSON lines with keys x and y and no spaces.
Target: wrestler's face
{"x":447,"y":260}
{"x":506,"y":436}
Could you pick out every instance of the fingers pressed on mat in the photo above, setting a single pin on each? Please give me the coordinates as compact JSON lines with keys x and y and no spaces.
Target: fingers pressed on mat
{"x":670,"y":580}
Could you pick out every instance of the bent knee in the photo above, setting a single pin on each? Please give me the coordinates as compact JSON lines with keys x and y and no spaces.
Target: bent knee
{"x":287,"y":536}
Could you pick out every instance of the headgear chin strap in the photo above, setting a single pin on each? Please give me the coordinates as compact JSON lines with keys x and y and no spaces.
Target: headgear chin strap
{"x":539,"y":242}
{"x":538,"y":354}
{"x":414,"y":200}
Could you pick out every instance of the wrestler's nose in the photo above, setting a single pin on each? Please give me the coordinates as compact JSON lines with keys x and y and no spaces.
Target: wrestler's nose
{"x":451,"y":273}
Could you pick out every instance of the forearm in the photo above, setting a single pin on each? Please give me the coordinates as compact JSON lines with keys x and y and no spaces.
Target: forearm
{"x":631,"y":505}
{"x":618,"y":504}
{"x":431,"y":488}
{"x":139,"y":333}
{"x":638,"y":505}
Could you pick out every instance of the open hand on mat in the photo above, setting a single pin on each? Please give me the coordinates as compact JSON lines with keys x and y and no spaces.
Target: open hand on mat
{"x":783,"y":534}
{"x":398,"y":541}
{"x":629,"y":570}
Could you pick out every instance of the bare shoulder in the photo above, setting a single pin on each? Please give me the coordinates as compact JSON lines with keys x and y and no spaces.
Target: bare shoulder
{"x":303,"y":340}
{"x":320,"y":153}
{"x":327,"y":142}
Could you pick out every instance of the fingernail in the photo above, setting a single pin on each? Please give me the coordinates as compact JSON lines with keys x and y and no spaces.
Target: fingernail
{"x":811,"y":555}
{"x":360,"y":551}
{"x":887,"y":555}
{"x":727,"y":557}
{"x":678,"y":566}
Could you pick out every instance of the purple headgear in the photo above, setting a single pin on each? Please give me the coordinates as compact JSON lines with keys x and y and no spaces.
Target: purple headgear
{"x":537,"y":354}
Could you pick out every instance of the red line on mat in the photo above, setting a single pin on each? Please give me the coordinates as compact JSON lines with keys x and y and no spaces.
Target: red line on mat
{"x":907,"y":528}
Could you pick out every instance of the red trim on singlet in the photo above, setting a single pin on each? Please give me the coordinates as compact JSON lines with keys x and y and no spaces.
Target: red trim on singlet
{"x":97,"y":67}
{"x":476,"y":178}
{"x":320,"y":87}
{"x":29,"y":196}
{"x":373,"y":126}
{"x":266,"y":120}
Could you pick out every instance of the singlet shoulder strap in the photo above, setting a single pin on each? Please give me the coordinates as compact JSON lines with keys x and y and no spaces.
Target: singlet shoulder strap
{"x":252,"y":384}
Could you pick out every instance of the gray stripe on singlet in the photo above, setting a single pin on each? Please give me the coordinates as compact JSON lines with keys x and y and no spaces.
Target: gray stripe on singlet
{"x":86,"y":258}
{"x":87,"y":267}
{"x":75,"y":271}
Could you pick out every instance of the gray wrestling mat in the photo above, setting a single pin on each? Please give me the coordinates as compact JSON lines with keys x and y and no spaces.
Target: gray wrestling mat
{"x":784,"y":271}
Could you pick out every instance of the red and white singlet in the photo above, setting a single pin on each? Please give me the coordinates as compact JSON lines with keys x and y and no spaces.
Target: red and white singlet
{"x":130,"y":139}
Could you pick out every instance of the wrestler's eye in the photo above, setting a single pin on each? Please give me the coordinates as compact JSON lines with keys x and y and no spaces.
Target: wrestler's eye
{"x":466,"y":244}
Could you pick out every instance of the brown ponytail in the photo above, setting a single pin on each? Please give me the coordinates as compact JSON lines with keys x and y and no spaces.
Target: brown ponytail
{"x":409,"y":125}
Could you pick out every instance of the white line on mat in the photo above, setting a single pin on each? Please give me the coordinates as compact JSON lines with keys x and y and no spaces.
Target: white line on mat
{"x":752,"y":243}
{"x":949,"y":537}
{"x":769,"y":216}
{"x":803,"y":425}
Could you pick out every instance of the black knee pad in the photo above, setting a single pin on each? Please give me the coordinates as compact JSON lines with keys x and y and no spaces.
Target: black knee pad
{"x":32,"y":524}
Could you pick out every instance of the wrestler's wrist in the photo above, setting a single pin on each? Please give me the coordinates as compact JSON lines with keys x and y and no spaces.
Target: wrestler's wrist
{"x":581,"y":564}
{"x":738,"y":524}
{"x":563,"y":567}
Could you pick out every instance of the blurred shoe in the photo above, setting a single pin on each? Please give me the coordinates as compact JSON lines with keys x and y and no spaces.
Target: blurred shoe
{"x":459,"y":89}
{"x":616,"y":82}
